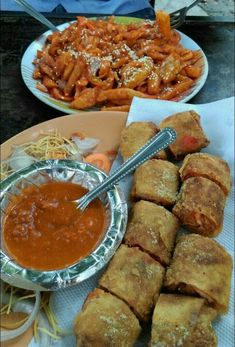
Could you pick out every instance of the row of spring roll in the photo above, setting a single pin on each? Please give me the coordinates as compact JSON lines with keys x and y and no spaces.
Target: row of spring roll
{"x":136,"y":281}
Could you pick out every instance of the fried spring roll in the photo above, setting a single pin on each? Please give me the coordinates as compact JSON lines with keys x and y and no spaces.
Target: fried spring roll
{"x":201,"y":266}
{"x":209,"y":166}
{"x":106,"y":321}
{"x":153,"y":229}
{"x":200,"y":206}
{"x":182,"y":321}
{"x":204,"y":334}
{"x":157,"y":181}
{"x":135,"y":135}
{"x":134,"y":277}
{"x":190,"y":135}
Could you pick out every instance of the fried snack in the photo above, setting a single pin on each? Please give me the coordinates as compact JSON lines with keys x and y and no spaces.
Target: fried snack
{"x":105,"y":321}
{"x":204,"y":334}
{"x":182,"y":321}
{"x":134,"y":277}
{"x":153,"y":229}
{"x":123,"y":108}
{"x":156,"y":180}
{"x":201,"y":266}
{"x":200,"y":206}
{"x":190,"y":135}
{"x":209,"y":166}
{"x":120,"y":93}
{"x":135,"y":135}
{"x":117,"y":61}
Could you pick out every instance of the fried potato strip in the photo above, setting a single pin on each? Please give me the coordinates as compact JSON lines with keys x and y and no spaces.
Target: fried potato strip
{"x":104,"y":63}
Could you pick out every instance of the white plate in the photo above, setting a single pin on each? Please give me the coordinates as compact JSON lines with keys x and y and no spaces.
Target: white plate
{"x":27,"y":68}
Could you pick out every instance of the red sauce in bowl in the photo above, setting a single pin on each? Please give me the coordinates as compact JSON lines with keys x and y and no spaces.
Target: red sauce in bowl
{"x":43,"y":230}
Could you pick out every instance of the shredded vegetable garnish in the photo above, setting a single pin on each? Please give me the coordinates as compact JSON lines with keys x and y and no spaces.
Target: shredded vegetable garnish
{"x":16,"y":295}
{"x":5,"y":170}
{"x":50,"y":146}
{"x":56,"y":337}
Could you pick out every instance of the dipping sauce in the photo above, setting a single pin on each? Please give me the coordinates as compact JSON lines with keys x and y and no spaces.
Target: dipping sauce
{"x":43,"y":230}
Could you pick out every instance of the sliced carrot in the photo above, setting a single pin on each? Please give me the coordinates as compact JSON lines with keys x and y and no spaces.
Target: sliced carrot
{"x":99,"y":160}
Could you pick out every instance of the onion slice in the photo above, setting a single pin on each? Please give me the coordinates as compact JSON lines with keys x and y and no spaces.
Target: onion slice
{"x":85,"y":145}
{"x":23,"y":307}
{"x":20,"y":159}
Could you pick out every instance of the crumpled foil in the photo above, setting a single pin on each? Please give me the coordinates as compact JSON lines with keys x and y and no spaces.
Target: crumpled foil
{"x":116,"y":219}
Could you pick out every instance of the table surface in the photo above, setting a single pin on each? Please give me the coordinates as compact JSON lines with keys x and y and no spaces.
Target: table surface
{"x":21,"y":110}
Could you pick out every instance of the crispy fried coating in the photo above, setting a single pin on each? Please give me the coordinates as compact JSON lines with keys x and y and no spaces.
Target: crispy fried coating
{"x":204,"y":334}
{"x":134,"y":277}
{"x":135,"y":135}
{"x":209,"y":166}
{"x":153,"y":229}
{"x":201,"y":266}
{"x":190,"y":135}
{"x":182,"y":321}
{"x":200,"y":206}
{"x":157,"y":181}
{"x":105,"y":321}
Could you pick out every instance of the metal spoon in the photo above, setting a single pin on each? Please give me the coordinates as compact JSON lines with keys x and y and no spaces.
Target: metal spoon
{"x":37,"y":15}
{"x":153,"y":146}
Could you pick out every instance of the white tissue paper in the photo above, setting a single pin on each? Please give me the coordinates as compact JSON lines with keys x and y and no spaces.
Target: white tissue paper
{"x":217,"y":119}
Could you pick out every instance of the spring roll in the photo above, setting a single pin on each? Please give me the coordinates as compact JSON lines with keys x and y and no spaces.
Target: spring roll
{"x":201,"y":266}
{"x":152,"y":228}
{"x":134,"y":277}
{"x":190,"y":135}
{"x":209,"y":166}
{"x":200,"y":206}
{"x":180,"y":320}
{"x":105,"y":321}
{"x":135,"y":135}
{"x":156,"y":180}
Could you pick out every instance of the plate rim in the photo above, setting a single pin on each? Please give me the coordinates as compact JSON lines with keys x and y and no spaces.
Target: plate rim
{"x":57,"y":104}
{"x":58,"y":118}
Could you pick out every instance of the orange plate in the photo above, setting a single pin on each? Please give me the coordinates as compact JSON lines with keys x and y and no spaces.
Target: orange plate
{"x":105,"y":126}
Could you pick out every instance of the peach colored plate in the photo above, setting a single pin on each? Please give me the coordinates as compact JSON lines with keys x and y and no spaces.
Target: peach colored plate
{"x":105,"y":126}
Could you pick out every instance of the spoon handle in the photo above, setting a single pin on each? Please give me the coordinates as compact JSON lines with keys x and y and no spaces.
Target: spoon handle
{"x":37,"y":15}
{"x":154,"y":145}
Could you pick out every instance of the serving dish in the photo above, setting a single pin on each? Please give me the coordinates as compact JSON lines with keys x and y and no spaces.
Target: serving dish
{"x":88,"y":177}
{"x":109,"y":123}
{"x":27,"y":68}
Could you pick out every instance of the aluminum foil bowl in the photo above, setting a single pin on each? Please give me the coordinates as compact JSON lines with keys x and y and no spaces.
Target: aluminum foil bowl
{"x":116,"y":215}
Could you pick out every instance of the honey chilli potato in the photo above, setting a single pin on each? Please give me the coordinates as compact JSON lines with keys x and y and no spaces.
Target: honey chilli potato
{"x":157,"y":181}
{"x":152,"y":228}
{"x":135,"y":135}
{"x":134,"y":277}
{"x":209,"y":166}
{"x":190,"y":135}
{"x":201,"y":266}
{"x":180,"y":320}
{"x":104,"y":63}
{"x":200,"y":206}
{"x":105,"y":321}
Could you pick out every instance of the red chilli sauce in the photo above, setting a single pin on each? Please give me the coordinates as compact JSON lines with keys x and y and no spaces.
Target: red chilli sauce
{"x":43,"y":230}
